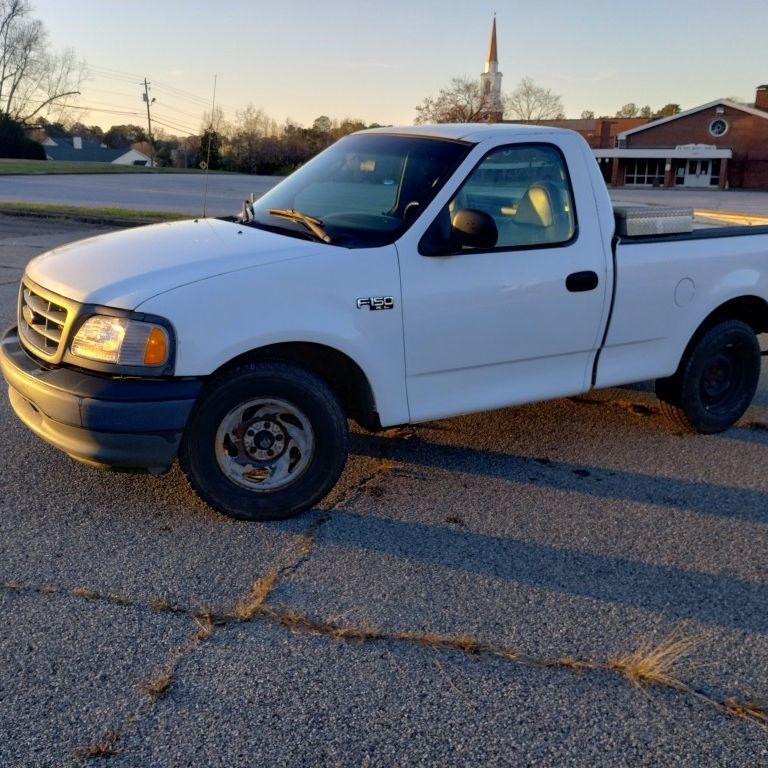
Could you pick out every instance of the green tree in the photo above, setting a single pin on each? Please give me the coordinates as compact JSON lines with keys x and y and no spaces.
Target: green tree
{"x":628,"y":110}
{"x":210,"y":150}
{"x":93,"y":132}
{"x":124,"y":136}
{"x":348,"y":125}
{"x":322,"y":124}
{"x":668,"y":110}
{"x":14,"y":142}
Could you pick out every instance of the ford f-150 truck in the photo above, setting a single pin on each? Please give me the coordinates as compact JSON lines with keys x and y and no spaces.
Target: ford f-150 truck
{"x":402,"y":275}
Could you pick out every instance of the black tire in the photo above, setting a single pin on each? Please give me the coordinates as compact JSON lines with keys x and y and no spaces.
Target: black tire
{"x":716,"y":380}
{"x":265,"y":441}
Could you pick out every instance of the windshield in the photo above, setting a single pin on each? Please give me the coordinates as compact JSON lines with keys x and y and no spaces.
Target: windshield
{"x":364,"y":190}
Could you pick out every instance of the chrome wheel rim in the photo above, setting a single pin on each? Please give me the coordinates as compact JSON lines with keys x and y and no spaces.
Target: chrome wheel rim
{"x":264,"y":444}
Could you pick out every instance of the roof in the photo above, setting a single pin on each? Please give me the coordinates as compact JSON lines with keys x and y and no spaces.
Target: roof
{"x":91,"y":151}
{"x":97,"y":155}
{"x":693,"y":111}
{"x":575,"y":124}
{"x":472,"y":132}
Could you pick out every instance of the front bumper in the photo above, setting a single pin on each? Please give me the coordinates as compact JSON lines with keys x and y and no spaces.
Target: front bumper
{"x":120,"y":423}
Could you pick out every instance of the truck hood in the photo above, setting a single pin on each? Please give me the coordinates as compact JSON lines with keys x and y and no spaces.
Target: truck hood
{"x":124,"y":269}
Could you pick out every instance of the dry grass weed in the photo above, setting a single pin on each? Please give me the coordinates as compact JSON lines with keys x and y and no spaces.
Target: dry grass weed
{"x":748,"y":710}
{"x":569,"y":662}
{"x":85,"y":593}
{"x":204,"y":620}
{"x":659,"y":664}
{"x":254,"y":601}
{"x":119,"y":599}
{"x":386,"y":466}
{"x":156,"y":686}
{"x":106,"y":746}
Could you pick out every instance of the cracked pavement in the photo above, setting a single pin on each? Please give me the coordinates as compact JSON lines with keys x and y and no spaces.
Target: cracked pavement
{"x":457,"y":600}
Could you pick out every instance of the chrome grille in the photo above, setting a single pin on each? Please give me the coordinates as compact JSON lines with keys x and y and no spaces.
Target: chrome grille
{"x":41,"y":322}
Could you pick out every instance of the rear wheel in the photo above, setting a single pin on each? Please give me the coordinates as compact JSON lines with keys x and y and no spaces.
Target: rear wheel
{"x":716,"y":380}
{"x":265,"y":441}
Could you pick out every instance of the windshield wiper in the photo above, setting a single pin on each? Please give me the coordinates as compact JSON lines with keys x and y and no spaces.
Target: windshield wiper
{"x":315,"y":226}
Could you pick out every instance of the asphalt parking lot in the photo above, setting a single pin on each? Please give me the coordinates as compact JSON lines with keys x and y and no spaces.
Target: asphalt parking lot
{"x":473,"y":593}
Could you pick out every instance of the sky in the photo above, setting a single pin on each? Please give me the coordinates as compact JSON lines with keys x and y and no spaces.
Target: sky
{"x":375,"y":61}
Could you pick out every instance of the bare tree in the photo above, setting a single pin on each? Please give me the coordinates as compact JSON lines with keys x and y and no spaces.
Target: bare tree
{"x":251,"y":126}
{"x":33,"y":81}
{"x":531,"y":102}
{"x":216,"y":121}
{"x":460,"y":102}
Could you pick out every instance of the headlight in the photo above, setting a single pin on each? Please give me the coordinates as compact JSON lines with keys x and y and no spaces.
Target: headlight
{"x":121,"y":341}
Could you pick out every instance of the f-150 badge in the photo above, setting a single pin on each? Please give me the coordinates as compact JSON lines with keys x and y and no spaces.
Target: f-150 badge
{"x":376,"y":302}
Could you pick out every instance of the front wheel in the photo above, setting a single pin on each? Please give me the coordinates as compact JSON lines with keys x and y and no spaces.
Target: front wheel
{"x":265,"y":441}
{"x":716,"y":380}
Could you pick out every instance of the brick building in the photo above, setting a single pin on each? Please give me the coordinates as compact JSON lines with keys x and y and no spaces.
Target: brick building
{"x":600,"y":132}
{"x":717,"y":145}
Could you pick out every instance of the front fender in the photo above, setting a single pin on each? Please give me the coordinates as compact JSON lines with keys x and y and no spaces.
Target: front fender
{"x":311,"y":300}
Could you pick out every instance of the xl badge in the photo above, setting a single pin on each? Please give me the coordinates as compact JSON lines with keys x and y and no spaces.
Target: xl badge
{"x":376,"y":302}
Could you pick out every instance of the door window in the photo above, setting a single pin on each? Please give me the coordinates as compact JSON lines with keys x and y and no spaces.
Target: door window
{"x":522,"y":191}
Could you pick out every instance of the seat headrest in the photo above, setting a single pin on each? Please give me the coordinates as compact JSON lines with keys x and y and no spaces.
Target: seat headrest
{"x":535,"y":207}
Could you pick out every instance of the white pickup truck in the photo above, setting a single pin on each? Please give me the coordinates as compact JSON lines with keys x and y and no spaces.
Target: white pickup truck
{"x":403,"y":275}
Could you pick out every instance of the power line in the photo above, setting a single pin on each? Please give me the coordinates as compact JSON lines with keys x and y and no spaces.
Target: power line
{"x":128,"y":77}
{"x":106,"y":110}
{"x":175,"y":127}
{"x":113,"y":110}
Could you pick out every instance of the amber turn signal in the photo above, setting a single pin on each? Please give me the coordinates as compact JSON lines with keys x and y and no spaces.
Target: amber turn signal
{"x":156,"y":349}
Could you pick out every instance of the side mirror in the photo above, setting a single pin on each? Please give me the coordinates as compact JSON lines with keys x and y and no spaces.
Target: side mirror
{"x":471,"y":228}
{"x":475,"y":229}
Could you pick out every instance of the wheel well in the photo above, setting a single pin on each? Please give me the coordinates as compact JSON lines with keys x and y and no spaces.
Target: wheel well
{"x":751,"y":310}
{"x":343,"y":374}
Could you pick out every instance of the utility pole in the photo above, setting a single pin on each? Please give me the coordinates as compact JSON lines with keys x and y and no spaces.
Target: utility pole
{"x":149,"y":121}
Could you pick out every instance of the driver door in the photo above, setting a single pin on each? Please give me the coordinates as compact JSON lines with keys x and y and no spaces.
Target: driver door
{"x":487,"y":326}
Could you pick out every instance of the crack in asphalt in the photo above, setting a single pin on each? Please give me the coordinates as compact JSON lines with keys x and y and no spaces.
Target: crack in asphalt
{"x":256,"y":605}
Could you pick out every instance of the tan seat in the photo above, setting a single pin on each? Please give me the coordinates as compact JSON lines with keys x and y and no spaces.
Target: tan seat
{"x":541,"y":217}
{"x":535,"y":207}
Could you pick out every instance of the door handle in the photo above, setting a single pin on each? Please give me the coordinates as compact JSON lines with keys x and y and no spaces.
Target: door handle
{"x":581,"y":281}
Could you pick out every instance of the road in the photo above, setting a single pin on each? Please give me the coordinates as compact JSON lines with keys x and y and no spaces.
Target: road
{"x":225,"y":193}
{"x":218,"y":194}
{"x":464,"y":597}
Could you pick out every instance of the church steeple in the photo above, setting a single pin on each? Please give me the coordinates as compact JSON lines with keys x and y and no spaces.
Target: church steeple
{"x":490,"y":82}
{"x":492,"y":62}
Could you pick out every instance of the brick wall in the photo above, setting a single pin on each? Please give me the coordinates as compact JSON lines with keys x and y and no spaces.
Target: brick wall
{"x":747,"y":136}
